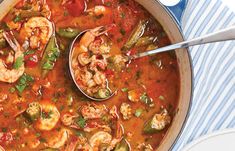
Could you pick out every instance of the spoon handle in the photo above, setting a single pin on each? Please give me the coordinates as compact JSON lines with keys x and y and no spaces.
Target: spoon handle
{"x":222,"y":35}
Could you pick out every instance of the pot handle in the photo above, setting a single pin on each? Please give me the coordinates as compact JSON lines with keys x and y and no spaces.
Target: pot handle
{"x":176,"y":10}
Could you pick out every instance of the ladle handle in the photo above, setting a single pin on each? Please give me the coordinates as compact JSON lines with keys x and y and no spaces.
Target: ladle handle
{"x":222,"y":35}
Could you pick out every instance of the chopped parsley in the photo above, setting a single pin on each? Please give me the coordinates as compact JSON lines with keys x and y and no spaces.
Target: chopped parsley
{"x":19,"y":62}
{"x":23,"y":82}
{"x":17,"y":19}
{"x":81,"y":122}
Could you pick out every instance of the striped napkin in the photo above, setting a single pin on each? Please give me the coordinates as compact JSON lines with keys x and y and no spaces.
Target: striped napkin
{"x":213,"y":104}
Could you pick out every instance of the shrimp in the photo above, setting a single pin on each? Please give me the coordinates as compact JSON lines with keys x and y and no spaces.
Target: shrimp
{"x":78,"y":143}
{"x":37,"y":30}
{"x":99,"y":138}
{"x":12,"y":75}
{"x":99,"y":78}
{"x":93,"y":111}
{"x":68,"y":119}
{"x":1,"y":148}
{"x":83,"y":59}
{"x":90,"y":36}
{"x":59,"y":140}
{"x":49,"y":117}
{"x":101,"y":63}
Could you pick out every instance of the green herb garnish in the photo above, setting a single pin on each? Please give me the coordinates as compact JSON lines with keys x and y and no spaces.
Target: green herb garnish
{"x":81,"y":122}
{"x":17,"y":18}
{"x":18,"y":63}
{"x":23,"y":82}
{"x":125,"y":89}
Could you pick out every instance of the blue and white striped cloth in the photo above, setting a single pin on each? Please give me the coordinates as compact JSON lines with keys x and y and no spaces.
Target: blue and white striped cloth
{"x":213,"y":106}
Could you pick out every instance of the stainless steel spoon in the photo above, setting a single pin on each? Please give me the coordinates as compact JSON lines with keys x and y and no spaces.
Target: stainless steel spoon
{"x":221,"y":35}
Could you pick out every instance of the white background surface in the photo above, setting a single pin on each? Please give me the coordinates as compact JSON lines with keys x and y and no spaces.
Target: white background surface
{"x":230,"y":4}
{"x":220,"y":141}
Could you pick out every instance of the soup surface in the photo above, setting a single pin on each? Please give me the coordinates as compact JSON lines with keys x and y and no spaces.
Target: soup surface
{"x":40,"y":107}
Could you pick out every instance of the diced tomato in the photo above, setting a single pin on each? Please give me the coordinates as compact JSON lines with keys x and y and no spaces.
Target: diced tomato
{"x":31,"y":60}
{"x":76,"y":7}
{"x":6,"y":137}
{"x":109,"y":72}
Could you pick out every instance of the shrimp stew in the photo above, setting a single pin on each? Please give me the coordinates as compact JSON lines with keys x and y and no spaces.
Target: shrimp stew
{"x":40,"y":107}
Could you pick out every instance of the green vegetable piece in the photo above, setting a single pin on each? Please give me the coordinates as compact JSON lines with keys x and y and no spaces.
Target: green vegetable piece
{"x":103,"y":93}
{"x":23,"y":82}
{"x":143,"y":41}
{"x":81,"y":122}
{"x":33,"y":111}
{"x":18,"y":18}
{"x":135,"y":35}
{"x":122,"y":146}
{"x":125,"y":89}
{"x":157,"y":123}
{"x":138,"y":112}
{"x":20,"y":88}
{"x":147,"y":100}
{"x":18,"y":63}
{"x":68,"y":32}
{"x":50,"y":56}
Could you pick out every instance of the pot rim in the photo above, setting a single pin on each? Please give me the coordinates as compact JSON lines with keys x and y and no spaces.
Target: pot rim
{"x":192,"y":73}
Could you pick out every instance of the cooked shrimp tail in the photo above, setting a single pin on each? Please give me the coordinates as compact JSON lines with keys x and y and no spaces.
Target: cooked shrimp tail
{"x":12,"y":75}
{"x":11,"y":40}
{"x":102,"y":29}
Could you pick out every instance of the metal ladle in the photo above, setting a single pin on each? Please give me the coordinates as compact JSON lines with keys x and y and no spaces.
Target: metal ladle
{"x":222,"y":35}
